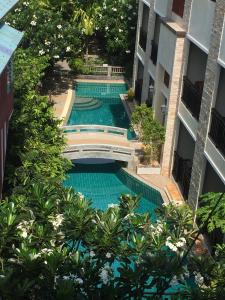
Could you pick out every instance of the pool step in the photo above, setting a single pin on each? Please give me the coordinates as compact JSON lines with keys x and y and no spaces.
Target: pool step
{"x":87,"y":104}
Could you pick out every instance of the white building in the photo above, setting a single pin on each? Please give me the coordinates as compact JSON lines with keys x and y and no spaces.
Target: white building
{"x":179,"y":70}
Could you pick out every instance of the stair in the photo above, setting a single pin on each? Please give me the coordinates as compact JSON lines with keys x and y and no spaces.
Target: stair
{"x":86,"y":104}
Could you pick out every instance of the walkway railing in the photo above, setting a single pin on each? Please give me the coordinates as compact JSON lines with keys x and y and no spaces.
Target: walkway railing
{"x":182,"y":173}
{"x":109,"y":71}
{"x":191,"y":97}
{"x":217,"y":131}
{"x":99,"y":151}
{"x":95,"y":128}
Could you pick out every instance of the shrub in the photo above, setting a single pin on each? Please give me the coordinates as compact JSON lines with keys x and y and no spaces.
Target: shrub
{"x":130,"y":94}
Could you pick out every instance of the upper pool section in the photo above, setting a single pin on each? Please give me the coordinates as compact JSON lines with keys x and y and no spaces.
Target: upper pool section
{"x":99,"y":104}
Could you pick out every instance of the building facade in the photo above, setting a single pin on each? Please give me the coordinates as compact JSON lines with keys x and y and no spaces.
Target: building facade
{"x":9,"y":40}
{"x":179,"y":70}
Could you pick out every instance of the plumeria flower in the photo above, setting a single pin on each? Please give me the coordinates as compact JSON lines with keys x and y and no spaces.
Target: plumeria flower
{"x":33,"y":23}
{"x":108,"y":255}
{"x":105,"y":274}
{"x":92,"y":254}
{"x":59,"y":26}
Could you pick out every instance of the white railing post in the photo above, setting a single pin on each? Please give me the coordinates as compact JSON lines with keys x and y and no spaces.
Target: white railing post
{"x":109,"y":71}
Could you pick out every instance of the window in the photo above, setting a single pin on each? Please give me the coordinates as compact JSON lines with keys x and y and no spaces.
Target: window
{"x":178,"y":7}
{"x":166,"y":79}
{"x":9,"y":77}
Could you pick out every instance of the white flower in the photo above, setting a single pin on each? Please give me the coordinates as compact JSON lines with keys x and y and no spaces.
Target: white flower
{"x":33,"y":23}
{"x":120,"y":30}
{"x":47,"y":43}
{"x":68,"y":49}
{"x":127,"y":51}
{"x":24,"y":227}
{"x":174,"y":281}
{"x":78,"y":280}
{"x":105,"y":274}
{"x":113,"y":205}
{"x":80,"y":195}
{"x":108,"y":255}
{"x":106,"y":28}
{"x":56,"y":56}
{"x":57,"y":221}
{"x":199,"y":279}
{"x":41,"y":52}
{"x":59,"y":26}
{"x":92,"y":254}
{"x":46,"y":251}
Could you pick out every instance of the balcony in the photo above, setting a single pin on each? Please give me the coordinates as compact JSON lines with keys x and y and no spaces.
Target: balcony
{"x":178,"y":7}
{"x":217,"y":131}
{"x":143,"y":39}
{"x":192,"y":95}
{"x":154,"y":52}
{"x":182,"y":173}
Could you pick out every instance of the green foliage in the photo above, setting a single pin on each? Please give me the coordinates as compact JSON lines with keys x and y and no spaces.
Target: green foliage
{"x":78,"y":65}
{"x":208,"y":201}
{"x":28,"y":71}
{"x":64,"y":247}
{"x":130,"y":95}
{"x":150,"y":131}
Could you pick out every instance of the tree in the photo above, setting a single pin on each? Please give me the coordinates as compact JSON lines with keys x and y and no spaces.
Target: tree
{"x":150,"y":131}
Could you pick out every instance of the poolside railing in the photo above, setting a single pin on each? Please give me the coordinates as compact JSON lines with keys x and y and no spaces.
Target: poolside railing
{"x":114,"y":152}
{"x":105,"y":70}
{"x":95,"y":128}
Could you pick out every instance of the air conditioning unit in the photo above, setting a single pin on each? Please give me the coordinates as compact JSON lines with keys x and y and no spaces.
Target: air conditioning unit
{"x":164,"y":109}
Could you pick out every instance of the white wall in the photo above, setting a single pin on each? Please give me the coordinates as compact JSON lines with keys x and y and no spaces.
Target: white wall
{"x":162,"y":7}
{"x":202,"y":17}
{"x":188,"y":120}
{"x":167,"y":43}
{"x":222,"y":46}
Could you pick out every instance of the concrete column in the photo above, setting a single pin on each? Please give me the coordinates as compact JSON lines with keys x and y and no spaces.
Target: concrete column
{"x":173,"y":101}
{"x":207,"y":102}
{"x":151,"y":26}
{"x":135,"y":67}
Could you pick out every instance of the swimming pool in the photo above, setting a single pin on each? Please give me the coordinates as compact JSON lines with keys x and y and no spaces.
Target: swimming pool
{"x":104,"y":183}
{"x":100,"y":104}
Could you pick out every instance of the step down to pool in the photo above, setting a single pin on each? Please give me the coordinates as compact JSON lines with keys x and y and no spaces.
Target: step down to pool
{"x":86,"y":104}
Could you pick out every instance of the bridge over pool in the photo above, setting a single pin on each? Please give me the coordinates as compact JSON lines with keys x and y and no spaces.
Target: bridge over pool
{"x":98,"y":141}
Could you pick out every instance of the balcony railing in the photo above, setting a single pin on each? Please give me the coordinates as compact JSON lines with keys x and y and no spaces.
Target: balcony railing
{"x":191,"y":96}
{"x":154,"y":52}
{"x":217,"y":131}
{"x":143,"y":39}
{"x":182,"y":173}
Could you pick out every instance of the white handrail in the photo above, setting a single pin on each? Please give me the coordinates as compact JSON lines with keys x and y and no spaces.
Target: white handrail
{"x":95,"y":128}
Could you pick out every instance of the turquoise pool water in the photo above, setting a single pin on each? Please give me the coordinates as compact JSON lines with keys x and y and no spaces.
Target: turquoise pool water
{"x":104,"y":183}
{"x":100,"y":104}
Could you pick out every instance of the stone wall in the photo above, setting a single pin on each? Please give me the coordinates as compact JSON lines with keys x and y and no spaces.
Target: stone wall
{"x":207,"y":100}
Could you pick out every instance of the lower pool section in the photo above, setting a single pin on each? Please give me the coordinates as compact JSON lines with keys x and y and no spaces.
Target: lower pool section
{"x":104,"y":183}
